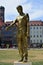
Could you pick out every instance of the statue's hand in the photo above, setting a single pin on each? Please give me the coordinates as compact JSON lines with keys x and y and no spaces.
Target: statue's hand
{"x":6,"y":28}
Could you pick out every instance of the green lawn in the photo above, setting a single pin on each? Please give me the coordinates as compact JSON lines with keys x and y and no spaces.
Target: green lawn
{"x":3,"y":63}
{"x":38,"y":63}
{"x":7,"y":57}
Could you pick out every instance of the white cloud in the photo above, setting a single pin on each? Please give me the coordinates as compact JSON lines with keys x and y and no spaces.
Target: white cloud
{"x":10,"y":8}
{"x":28,"y":7}
{"x":36,"y":14}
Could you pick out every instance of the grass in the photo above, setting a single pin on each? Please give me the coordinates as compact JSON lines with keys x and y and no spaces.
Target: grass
{"x":7,"y":57}
{"x":3,"y":63}
{"x":38,"y":63}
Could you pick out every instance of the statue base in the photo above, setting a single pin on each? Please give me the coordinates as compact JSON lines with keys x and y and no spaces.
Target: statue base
{"x":22,"y":63}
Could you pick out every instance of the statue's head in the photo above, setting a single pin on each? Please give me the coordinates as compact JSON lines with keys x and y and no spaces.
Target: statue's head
{"x":19,"y":9}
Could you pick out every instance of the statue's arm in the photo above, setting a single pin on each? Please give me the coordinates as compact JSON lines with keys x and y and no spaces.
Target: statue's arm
{"x":11,"y":25}
{"x":28,"y":27}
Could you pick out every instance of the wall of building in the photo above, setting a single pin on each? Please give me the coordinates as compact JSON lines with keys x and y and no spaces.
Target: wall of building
{"x":36,"y":35}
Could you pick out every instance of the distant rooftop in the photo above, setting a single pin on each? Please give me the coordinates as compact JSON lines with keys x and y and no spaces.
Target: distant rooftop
{"x":31,"y":23}
{"x":38,"y":22}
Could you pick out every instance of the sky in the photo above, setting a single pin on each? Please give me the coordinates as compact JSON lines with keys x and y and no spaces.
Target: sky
{"x":33,"y":7}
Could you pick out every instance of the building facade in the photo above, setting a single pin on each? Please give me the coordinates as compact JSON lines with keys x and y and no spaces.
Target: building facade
{"x":9,"y":37}
{"x":36,"y":33}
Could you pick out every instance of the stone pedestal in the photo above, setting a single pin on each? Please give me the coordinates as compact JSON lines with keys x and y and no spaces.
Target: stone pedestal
{"x":22,"y":63}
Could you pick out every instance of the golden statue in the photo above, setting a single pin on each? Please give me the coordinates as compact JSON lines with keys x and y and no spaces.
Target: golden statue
{"x":23,"y":32}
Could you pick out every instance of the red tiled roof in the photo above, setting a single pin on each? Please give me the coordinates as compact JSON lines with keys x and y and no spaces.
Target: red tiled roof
{"x":40,"y":23}
{"x":35,"y":23}
{"x":8,"y":22}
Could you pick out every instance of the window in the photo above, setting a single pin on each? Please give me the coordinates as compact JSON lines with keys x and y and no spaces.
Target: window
{"x":37,"y":27}
{"x":35,"y":24}
{"x":31,"y":41}
{"x":38,"y":24}
{"x":34,"y":27}
{"x":37,"y":35}
{"x":40,"y":41}
{"x":40,"y":27}
{"x":34,"y":35}
{"x":34,"y":41}
{"x":31,"y":36}
{"x":40,"y":35}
